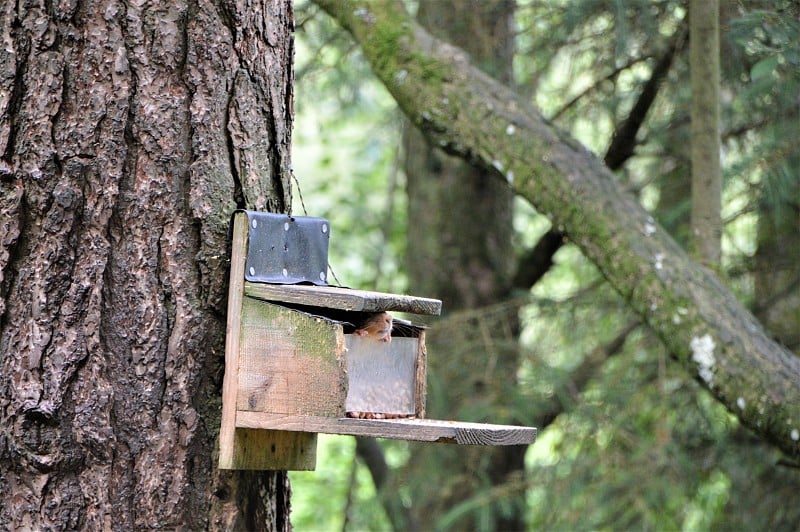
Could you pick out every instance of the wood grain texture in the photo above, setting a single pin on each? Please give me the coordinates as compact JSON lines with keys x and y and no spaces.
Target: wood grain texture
{"x":422,"y":376}
{"x":290,"y":362}
{"x":245,"y":357}
{"x":458,"y":432}
{"x":343,"y":298}
{"x":230,"y":381}
{"x":274,"y":450}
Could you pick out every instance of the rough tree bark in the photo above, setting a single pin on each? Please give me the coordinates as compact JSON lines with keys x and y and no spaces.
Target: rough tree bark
{"x":129,"y":131}
{"x":699,"y":320}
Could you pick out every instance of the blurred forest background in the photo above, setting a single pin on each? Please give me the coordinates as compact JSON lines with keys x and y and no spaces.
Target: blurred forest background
{"x":530,"y":332}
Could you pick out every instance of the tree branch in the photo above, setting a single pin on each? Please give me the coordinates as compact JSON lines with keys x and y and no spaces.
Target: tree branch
{"x":595,"y":87}
{"x":536,"y":262}
{"x":469,"y":114}
{"x":623,"y":141}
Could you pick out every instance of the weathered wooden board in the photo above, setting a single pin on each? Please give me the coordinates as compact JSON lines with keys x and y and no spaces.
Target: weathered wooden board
{"x":422,"y":376}
{"x":290,"y":362}
{"x":263,"y":450}
{"x":457,"y":432}
{"x":342,"y":298}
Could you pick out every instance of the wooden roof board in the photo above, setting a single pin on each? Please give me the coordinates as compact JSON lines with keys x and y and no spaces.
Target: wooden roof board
{"x":342,"y":298}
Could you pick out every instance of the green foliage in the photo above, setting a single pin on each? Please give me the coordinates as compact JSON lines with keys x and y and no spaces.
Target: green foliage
{"x":319,"y":497}
{"x":339,"y":495}
{"x":640,"y":445}
{"x":766,"y":106}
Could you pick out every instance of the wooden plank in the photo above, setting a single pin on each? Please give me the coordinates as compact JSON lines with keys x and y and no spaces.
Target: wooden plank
{"x":421,"y":379}
{"x":232,"y":336}
{"x":430,"y":430}
{"x":290,"y":362}
{"x":265,"y":450}
{"x":342,"y":298}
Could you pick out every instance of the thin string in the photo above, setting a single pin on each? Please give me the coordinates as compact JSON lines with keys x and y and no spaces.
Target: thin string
{"x":299,"y":192}
{"x":305,"y":213}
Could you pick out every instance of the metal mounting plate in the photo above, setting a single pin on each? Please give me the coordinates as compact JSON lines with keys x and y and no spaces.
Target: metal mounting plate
{"x":286,"y":249}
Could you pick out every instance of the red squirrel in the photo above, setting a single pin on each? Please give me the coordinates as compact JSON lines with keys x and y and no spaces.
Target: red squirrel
{"x":378,"y":326}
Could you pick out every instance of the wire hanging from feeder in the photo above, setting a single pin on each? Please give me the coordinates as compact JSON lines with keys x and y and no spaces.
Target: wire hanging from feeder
{"x":305,"y":213}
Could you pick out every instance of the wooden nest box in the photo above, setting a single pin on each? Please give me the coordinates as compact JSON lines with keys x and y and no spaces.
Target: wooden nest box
{"x":295,"y":367}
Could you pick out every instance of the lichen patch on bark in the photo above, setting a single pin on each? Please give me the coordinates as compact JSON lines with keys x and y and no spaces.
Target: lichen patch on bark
{"x":703,"y":355}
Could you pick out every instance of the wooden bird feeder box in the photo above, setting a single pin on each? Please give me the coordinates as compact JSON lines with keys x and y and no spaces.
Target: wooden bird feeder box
{"x":294,"y":368}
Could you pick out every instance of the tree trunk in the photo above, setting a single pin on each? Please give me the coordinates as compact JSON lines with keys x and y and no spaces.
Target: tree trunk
{"x":705,"y":142}
{"x":701,"y":323}
{"x":460,"y":251}
{"x":128,"y":134}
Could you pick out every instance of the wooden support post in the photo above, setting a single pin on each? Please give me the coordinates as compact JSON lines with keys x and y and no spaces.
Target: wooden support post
{"x":242,"y":448}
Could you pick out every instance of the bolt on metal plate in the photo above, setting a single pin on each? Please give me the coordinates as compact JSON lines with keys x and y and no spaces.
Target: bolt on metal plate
{"x":286,"y":249}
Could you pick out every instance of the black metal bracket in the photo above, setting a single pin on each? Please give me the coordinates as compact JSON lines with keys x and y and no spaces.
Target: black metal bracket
{"x":286,"y":249}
